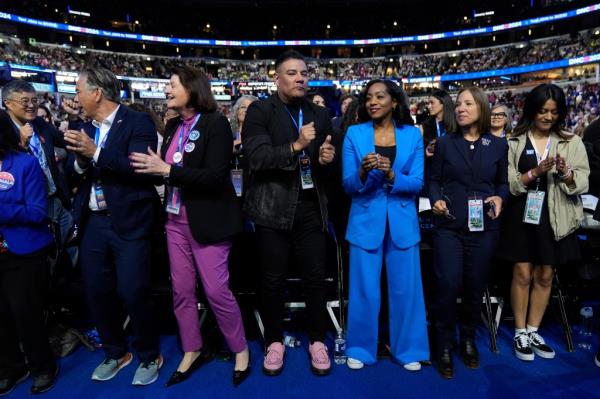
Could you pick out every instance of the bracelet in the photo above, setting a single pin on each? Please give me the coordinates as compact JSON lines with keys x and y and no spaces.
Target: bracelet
{"x":531,"y":175}
{"x":566,"y":175}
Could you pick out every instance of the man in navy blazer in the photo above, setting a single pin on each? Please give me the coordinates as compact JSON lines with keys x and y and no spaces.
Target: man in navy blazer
{"x":39,"y":138}
{"x":115,"y":211}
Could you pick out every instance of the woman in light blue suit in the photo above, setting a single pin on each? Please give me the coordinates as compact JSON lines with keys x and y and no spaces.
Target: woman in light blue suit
{"x":383,"y":173}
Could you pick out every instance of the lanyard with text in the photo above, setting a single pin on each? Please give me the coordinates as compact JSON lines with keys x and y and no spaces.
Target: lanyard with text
{"x":36,"y":147}
{"x":535,"y":198}
{"x":178,"y":156}
{"x":303,"y":158}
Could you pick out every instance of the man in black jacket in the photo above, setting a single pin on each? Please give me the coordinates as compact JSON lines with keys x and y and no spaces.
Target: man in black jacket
{"x":287,"y":140}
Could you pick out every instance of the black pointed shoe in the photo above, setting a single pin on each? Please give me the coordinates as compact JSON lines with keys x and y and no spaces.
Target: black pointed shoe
{"x":180,"y":376}
{"x":444,"y":364}
{"x":240,"y":376}
{"x":469,"y":353}
{"x":8,"y":383}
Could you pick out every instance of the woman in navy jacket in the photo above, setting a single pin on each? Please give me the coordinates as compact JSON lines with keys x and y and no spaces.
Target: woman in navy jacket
{"x":383,"y":173}
{"x":24,"y":241}
{"x":467,"y":187}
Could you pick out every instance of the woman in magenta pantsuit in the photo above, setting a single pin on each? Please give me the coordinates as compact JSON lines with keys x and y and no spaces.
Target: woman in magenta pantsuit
{"x":202,"y":215}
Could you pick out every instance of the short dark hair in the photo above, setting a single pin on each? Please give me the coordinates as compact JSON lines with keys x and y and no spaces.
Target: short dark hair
{"x":449,"y":115}
{"x":106,"y":81}
{"x":16,"y":86}
{"x":8,"y":136}
{"x":481,"y":99}
{"x":400,"y":114}
{"x":534,"y":101}
{"x":288,"y":55}
{"x":196,"y":83}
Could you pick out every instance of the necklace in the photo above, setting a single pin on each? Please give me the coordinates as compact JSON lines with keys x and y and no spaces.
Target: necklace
{"x":471,"y":144}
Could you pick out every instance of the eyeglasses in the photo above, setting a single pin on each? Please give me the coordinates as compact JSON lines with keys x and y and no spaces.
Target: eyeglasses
{"x":499,"y":115}
{"x":26,"y":102}
{"x":448,"y":215}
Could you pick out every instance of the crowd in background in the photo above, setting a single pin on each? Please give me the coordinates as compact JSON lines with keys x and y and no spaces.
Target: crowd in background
{"x":391,"y":66}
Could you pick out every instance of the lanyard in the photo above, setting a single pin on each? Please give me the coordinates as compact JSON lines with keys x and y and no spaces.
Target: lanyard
{"x":36,"y":148}
{"x":542,"y":157}
{"x":300,"y":119}
{"x":181,"y":133}
{"x":97,"y":138}
{"x":440,"y":132}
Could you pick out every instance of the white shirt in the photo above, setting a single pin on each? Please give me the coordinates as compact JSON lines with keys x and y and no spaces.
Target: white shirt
{"x":104,"y":128}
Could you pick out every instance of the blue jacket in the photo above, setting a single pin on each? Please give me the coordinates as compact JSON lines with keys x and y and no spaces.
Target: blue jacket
{"x":375,"y":201}
{"x":131,"y":197}
{"x":24,"y":206}
{"x":456,"y":177}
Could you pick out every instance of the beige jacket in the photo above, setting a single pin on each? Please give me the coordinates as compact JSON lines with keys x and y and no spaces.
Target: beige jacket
{"x":564,"y":202}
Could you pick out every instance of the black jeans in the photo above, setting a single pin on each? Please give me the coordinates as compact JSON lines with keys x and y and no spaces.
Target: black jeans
{"x":23,"y":285}
{"x":461,"y":268}
{"x":306,"y":242}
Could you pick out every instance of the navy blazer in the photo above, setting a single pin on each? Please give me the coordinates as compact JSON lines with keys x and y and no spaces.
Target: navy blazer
{"x":375,"y":201}
{"x":456,"y":177}
{"x":131,"y":198}
{"x":24,"y":206}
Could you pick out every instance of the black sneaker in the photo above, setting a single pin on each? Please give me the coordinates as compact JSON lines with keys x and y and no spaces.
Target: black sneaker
{"x":523,"y":349}
{"x":539,"y":346}
{"x":597,"y":359}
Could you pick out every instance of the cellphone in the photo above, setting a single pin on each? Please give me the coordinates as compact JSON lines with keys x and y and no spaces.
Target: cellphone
{"x":491,"y":208}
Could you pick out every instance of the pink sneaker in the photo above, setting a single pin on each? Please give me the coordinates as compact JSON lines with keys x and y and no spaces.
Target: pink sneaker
{"x":273,"y":363}
{"x":319,"y":358}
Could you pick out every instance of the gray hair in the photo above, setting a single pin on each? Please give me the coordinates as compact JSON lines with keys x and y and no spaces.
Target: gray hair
{"x":234,"y":111}
{"x":106,"y":81}
{"x":507,"y":111}
{"x":16,"y":86}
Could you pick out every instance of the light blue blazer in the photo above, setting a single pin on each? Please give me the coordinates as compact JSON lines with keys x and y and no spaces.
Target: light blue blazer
{"x":375,"y":200}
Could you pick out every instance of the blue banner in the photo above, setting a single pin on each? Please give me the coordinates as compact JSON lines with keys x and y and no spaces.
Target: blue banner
{"x":286,"y":43}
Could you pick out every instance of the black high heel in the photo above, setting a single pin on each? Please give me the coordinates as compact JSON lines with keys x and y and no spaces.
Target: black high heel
{"x":240,"y":376}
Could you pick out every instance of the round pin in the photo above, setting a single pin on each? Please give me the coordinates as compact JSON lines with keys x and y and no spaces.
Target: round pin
{"x":7,"y":181}
{"x":194,"y":135}
{"x":177,"y":157}
{"x":189,"y":147}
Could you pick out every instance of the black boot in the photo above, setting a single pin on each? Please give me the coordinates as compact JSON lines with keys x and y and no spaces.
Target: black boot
{"x":444,"y":363}
{"x":469,"y":353}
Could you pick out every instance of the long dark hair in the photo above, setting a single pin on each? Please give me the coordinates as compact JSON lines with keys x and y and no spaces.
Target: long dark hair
{"x":350,"y":117}
{"x":400,"y":114}
{"x":8,"y":136}
{"x":449,"y":119}
{"x":534,"y":102}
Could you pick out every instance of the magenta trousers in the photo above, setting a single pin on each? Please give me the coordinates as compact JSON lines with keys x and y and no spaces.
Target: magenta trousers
{"x":188,"y":257}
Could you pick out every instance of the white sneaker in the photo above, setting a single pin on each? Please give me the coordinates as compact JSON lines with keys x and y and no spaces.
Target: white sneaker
{"x":412,"y":366}
{"x":354,"y":364}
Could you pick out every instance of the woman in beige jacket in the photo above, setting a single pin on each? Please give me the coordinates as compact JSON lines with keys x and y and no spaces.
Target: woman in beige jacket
{"x":548,"y":170}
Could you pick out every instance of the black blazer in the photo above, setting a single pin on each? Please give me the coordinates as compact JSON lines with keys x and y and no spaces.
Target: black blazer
{"x":131,"y":197}
{"x":456,"y":177}
{"x":207,"y":192}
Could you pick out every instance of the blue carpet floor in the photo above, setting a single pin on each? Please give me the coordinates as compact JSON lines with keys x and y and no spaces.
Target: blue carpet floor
{"x":570,"y":375}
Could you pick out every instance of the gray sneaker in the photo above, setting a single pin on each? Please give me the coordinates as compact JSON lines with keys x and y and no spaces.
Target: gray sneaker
{"x":110,"y":367}
{"x":147,"y":373}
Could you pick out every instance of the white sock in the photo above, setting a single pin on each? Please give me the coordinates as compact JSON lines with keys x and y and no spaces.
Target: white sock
{"x":519,"y":331}
{"x":531,"y":329}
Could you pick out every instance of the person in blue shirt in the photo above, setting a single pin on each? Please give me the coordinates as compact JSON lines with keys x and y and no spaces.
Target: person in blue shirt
{"x":383,"y":173}
{"x":24,"y":269}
